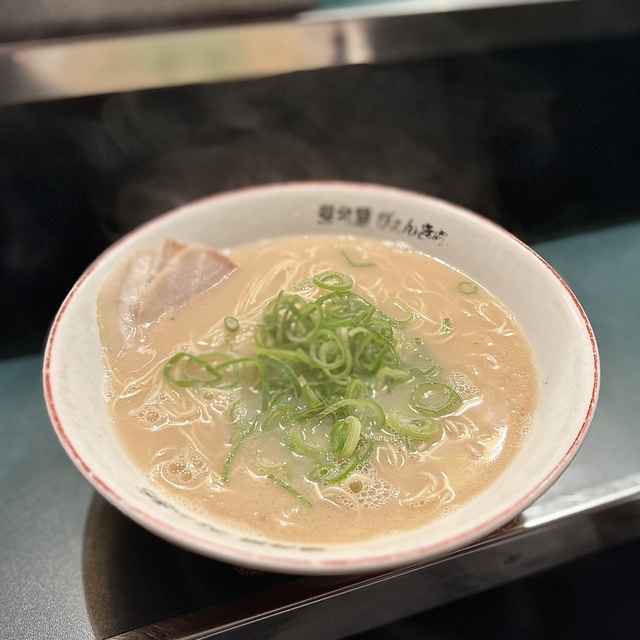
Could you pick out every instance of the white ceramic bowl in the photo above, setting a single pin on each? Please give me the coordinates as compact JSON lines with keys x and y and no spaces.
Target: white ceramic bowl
{"x":557,"y":328}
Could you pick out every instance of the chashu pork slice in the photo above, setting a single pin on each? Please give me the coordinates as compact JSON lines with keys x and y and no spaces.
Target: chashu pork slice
{"x":119,"y":300}
{"x":150,"y":284}
{"x":187,"y":273}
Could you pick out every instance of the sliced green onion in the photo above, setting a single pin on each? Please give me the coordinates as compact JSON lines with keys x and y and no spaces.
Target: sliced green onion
{"x":333,"y":281}
{"x":299,"y":443}
{"x":287,"y":487}
{"x":231,"y":324}
{"x":446,"y":325}
{"x":307,"y":322}
{"x":208,"y":370}
{"x":321,"y":472}
{"x":369,"y":413}
{"x":330,"y":351}
{"x":356,"y":388}
{"x":345,"y":435}
{"x":434,"y":398}
{"x":334,"y":474}
{"x":275,"y":416}
{"x":356,"y":264}
{"x":268,"y":466}
{"x":181,"y":369}
{"x":467,"y":288}
{"x":412,"y":426}
{"x":224,"y":476}
{"x":242,"y":430}
{"x":308,"y":393}
{"x":388,"y":377}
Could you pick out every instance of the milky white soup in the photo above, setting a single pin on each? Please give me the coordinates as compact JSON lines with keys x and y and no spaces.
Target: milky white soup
{"x":205,"y":407}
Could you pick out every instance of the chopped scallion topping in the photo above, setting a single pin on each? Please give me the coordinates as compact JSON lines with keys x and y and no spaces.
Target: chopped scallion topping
{"x":333,"y":281}
{"x":467,"y":288}
{"x":318,"y":367}
{"x":287,"y":487}
{"x":356,"y":264}
{"x":231,"y":324}
{"x":434,"y":399}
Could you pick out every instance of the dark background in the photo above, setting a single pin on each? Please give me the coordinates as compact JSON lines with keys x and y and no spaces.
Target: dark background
{"x":543,"y":140}
{"x":595,"y":598}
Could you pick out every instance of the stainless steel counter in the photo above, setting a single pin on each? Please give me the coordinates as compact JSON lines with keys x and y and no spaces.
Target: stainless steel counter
{"x":198,"y":50}
{"x":73,"y":567}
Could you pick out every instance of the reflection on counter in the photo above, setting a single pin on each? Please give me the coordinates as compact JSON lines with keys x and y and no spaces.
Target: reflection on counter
{"x":132,"y":578}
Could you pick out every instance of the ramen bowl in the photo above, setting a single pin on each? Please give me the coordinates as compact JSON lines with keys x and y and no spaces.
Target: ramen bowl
{"x":558,"y":331}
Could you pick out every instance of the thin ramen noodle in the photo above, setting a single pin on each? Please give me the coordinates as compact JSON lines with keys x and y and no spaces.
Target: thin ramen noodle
{"x":326,"y":390}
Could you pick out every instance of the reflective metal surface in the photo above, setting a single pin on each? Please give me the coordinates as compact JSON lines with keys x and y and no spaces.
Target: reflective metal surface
{"x":341,"y":10}
{"x":340,"y":609}
{"x":38,"y":20}
{"x":79,"y":66}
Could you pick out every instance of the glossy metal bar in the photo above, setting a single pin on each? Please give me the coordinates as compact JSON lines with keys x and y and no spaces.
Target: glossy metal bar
{"x":335,"y":608}
{"x":81,"y":66}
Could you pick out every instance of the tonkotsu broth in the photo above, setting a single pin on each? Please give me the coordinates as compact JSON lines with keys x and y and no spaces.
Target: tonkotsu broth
{"x":180,"y":437}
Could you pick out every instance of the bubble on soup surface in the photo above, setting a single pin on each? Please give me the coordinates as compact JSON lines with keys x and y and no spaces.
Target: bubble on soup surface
{"x":372,"y":491}
{"x":340,"y":497}
{"x":463,"y":385}
{"x":355,"y":486}
{"x":185,"y":470}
